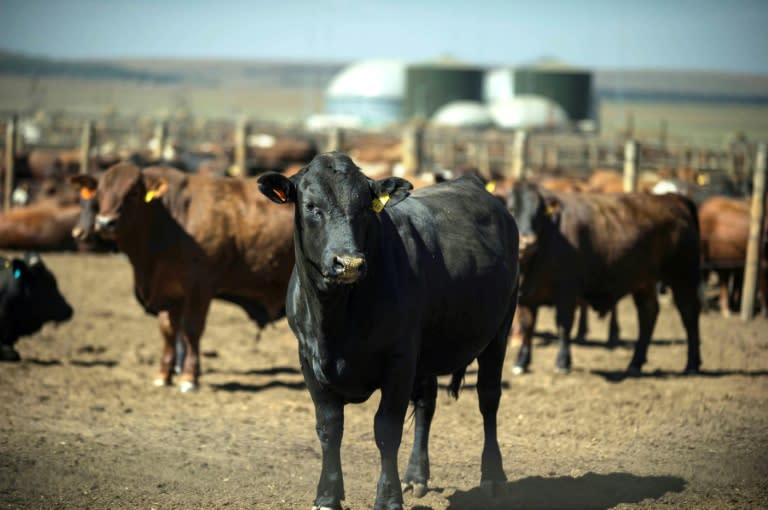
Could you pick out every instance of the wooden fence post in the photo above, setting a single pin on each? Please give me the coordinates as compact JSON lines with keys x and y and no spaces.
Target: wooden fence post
{"x":631,"y":161}
{"x":413,"y":152}
{"x":85,"y":146}
{"x":241,"y":148}
{"x":754,"y":244}
{"x":519,"y":153}
{"x":10,"y":160}
{"x":335,"y":139}
{"x":161,"y":135}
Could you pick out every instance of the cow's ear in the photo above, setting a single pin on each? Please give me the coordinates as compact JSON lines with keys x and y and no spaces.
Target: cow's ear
{"x":552,"y":206}
{"x":84,"y":184}
{"x":388,"y":192}
{"x":155,"y":185}
{"x":278,"y":188}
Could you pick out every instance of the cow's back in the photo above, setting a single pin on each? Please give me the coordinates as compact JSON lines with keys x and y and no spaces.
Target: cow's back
{"x":607,"y":245}
{"x":462,"y":246}
{"x":248,"y":245}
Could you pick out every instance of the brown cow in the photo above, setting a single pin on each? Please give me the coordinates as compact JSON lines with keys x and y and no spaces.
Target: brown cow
{"x":190,"y":238}
{"x":724,"y":224}
{"x":598,"y":248}
{"x":44,"y":226}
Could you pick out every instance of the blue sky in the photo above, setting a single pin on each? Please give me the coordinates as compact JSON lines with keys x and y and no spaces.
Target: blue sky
{"x":651,"y":34}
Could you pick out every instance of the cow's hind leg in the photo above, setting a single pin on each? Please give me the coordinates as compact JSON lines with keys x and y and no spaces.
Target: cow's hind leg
{"x":583,"y":326}
{"x":490,"y":364}
{"x":689,"y":306}
{"x":417,"y":473}
{"x":168,"y":321}
{"x":613,"y":328}
{"x":647,"y":311}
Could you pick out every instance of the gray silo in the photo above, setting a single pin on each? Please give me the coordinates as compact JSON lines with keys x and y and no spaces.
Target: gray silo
{"x":430,"y":86}
{"x":570,"y":87}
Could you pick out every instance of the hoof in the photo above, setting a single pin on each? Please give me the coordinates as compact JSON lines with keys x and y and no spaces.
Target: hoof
{"x":562,"y":370}
{"x":419,"y":489}
{"x":9,"y":354}
{"x":691,"y":371}
{"x":518,"y":370}
{"x":187,"y":387}
{"x":315,"y":507}
{"x":159,"y":381}
{"x":634,"y":371}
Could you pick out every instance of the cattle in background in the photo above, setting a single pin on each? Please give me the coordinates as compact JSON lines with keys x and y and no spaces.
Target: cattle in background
{"x":389,"y":291}
{"x":724,"y":224}
{"x":598,"y":248}
{"x":271,"y":153}
{"x":44,"y":226}
{"x":29,"y":297}
{"x":190,"y":238}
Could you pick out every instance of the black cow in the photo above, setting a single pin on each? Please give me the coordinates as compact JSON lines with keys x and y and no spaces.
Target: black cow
{"x":389,"y":291}
{"x":29,"y":297}
{"x":595,"y":248}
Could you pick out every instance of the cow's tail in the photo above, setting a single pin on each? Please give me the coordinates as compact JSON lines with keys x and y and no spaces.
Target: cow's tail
{"x":701,"y":289}
{"x":456,"y":380}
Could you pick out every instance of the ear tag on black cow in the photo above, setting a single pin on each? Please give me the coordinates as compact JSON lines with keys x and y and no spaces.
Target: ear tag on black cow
{"x":17,"y":274}
{"x":151,"y":195}
{"x":491,"y":186}
{"x":280,"y":194}
{"x":87,"y":193}
{"x":551,"y":209}
{"x":379,"y":202}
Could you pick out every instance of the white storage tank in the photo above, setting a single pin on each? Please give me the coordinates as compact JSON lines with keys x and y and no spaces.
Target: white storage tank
{"x":466,"y":114}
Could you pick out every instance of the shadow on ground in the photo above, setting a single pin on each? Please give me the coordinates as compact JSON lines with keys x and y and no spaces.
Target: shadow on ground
{"x":589,"y":492}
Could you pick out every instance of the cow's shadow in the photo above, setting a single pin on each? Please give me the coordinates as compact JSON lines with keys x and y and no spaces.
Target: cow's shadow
{"x":616,"y":376}
{"x":588,"y":492}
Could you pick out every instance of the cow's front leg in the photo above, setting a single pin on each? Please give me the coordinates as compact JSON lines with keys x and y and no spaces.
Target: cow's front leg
{"x":388,"y":430}
{"x":192,"y":327}
{"x":169,"y":323}
{"x":527,"y":318}
{"x":329,"y":424}
{"x":417,"y":473}
{"x":564,"y":319}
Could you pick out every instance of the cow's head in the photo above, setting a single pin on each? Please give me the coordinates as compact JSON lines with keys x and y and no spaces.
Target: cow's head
{"x":124,"y":193}
{"x":31,"y":298}
{"x":85,"y":185}
{"x":336,"y":210}
{"x":533,"y":209}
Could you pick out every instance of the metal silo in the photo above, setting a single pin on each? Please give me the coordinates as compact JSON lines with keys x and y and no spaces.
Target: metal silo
{"x":570,"y":87}
{"x":430,"y":86}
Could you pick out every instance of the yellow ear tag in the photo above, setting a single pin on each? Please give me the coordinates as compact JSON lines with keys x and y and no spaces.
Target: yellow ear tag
{"x":149,"y":196}
{"x":551,"y":209}
{"x":379,"y":202}
{"x":87,"y":193}
{"x":281,"y":195}
{"x":491,"y":186}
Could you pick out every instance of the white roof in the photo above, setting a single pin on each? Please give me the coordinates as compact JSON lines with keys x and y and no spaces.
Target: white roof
{"x":528,"y":111}
{"x":370,"y":78}
{"x":463,"y":114}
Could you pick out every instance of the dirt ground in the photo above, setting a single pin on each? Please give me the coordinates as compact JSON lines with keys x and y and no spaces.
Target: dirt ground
{"x":81,"y":425}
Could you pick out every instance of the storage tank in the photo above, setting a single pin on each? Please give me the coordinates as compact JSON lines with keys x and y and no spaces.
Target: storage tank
{"x":528,"y":112}
{"x":568,"y":86}
{"x":430,"y":86}
{"x":465,"y":114}
{"x":371,"y":91}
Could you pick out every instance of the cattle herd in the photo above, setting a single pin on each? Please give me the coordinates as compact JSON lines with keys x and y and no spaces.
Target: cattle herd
{"x":386,"y":282}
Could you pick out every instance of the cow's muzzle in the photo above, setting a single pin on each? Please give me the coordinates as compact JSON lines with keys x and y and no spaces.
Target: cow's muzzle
{"x":105,"y":224}
{"x":347,"y":269}
{"x":528,"y":244}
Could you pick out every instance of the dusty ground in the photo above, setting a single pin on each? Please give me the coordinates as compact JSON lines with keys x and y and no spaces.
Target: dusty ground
{"x":81,"y":426}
